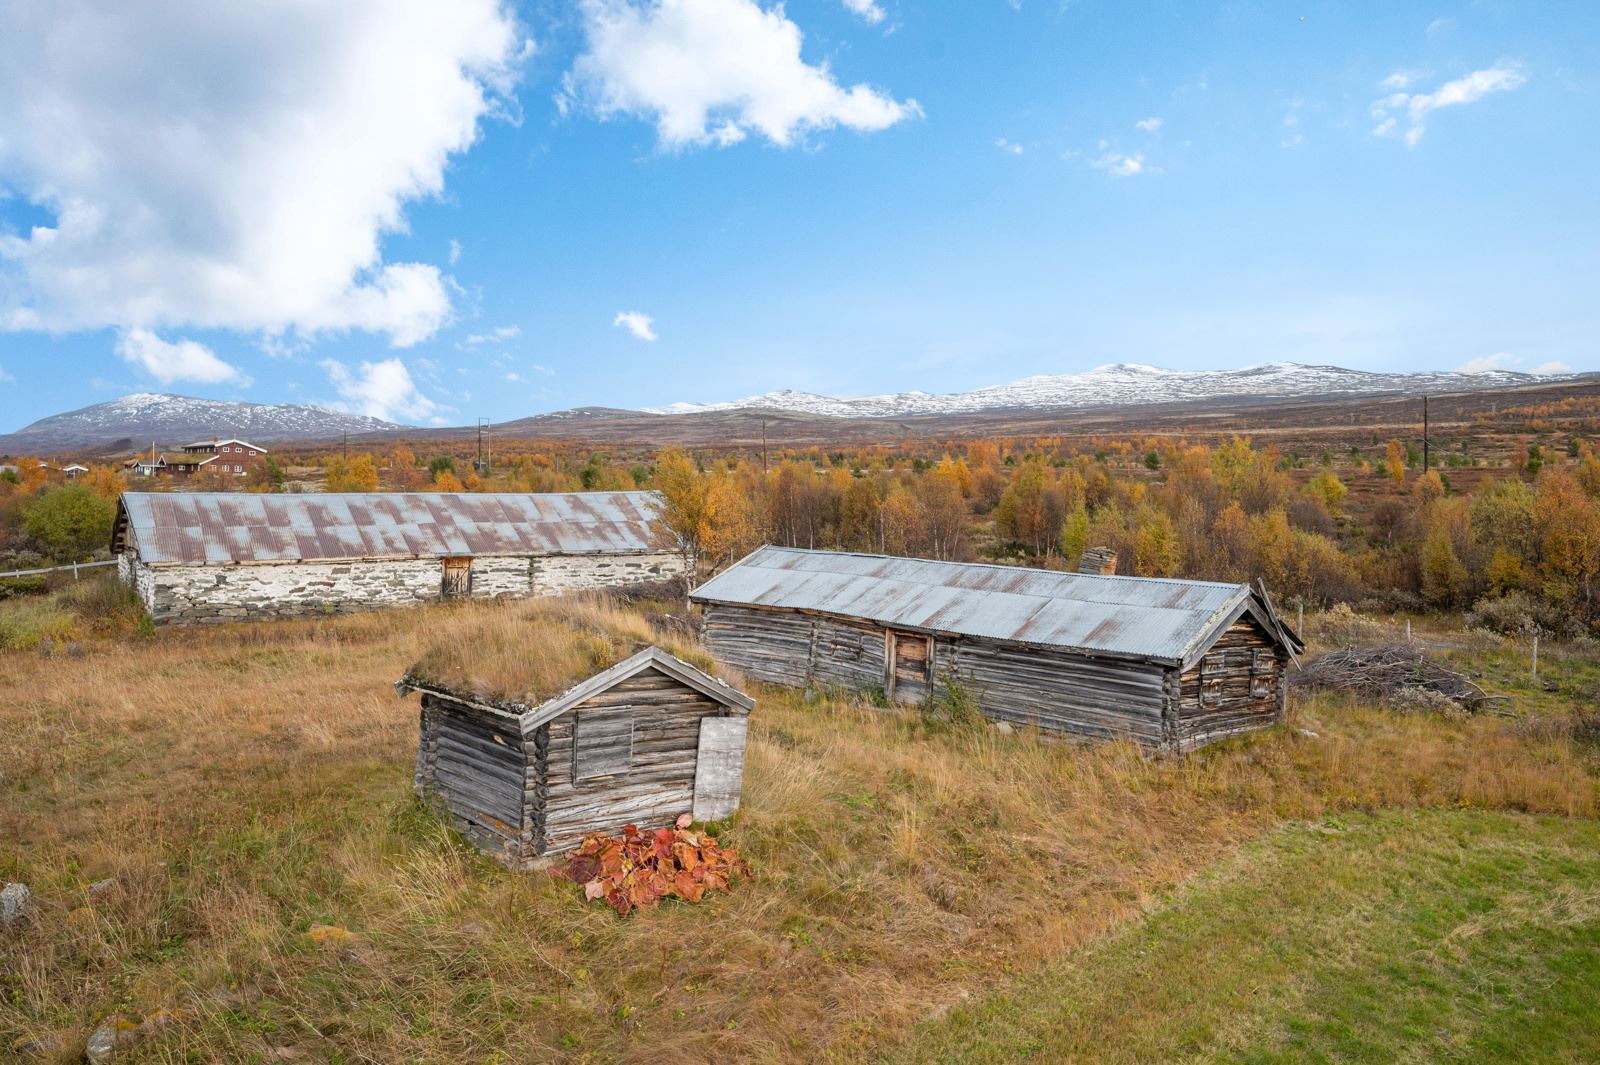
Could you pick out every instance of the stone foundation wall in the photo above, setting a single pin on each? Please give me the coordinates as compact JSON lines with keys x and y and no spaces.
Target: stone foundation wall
{"x":235,"y":592}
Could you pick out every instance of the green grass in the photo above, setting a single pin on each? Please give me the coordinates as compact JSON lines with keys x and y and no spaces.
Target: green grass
{"x":1416,"y":936}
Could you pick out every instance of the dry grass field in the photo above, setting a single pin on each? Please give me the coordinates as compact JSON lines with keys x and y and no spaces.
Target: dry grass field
{"x":243,"y":787}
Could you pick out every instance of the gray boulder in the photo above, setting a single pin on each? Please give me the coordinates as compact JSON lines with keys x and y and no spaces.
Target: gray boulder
{"x":114,"y":1033}
{"x":16,"y":905}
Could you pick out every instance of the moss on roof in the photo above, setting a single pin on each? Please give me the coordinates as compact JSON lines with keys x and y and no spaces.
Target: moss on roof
{"x":527,"y":652}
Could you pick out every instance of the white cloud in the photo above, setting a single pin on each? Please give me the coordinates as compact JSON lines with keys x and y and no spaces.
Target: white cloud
{"x":1500,"y":360}
{"x":1118,"y":165}
{"x":713,"y":72}
{"x":867,"y":9}
{"x":1415,"y":107}
{"x":235,"y":166}
{"x":1551,"y":367}
{"x":1008,"y":146}
{"x":5,"y":378}
{"x":381,"y":390}
{"x":182,"y":360}
{"x":498,"y":335}
{"x":1400,"y":79}
{"x":455,"y":252}
{"x":514,"y":378}
{"x":1149,"y":125}
{"x":640,"y":325}
{"x":1439,"y":25}
{"x":1294,"y":140}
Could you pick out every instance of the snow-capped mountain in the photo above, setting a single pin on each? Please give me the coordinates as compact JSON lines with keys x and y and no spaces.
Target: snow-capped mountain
{"x":1123,"y":384}
{"x":171,"y":420}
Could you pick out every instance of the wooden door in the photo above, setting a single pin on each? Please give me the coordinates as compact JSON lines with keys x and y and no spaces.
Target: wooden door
{"x":910,"y":659}
{"x":719,"y":767}
{"x":457,"y":578}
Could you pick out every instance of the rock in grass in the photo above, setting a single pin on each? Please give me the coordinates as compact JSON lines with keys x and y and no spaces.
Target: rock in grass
{"x":38,"y":1046}
{"x":16,"y":905}
{"x":115,"y":1033}
{"x":102,"y":887}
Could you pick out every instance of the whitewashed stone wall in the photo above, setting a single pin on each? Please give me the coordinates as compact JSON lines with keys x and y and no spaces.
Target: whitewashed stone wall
{"x":495,"y":578}
{"x":280,"y":590}
{"x":235,"y":592}
{"x":555,"y":574}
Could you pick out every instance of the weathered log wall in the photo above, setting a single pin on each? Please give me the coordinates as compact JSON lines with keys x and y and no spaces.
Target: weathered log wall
{"x":1102,"y":698}
{"x":473,"y":761}
{"x":770,"y":645}
{"x":1246,"y":672}
{"x":658,"y":784}
{"x":1054,"y":689}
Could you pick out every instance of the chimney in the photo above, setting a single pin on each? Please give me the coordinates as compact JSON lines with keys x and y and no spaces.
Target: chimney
{"x":1100,"y":560}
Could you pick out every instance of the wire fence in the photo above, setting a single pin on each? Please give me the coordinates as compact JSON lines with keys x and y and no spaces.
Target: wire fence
{"x":73,"y":569}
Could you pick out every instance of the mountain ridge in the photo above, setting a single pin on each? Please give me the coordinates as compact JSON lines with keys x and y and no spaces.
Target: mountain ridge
{"x":132,"y":422}
{"x":172,"y":420}
{"x":1123,"y":384}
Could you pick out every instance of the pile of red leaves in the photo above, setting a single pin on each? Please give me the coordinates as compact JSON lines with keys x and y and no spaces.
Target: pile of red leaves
{"x":640,"y":869}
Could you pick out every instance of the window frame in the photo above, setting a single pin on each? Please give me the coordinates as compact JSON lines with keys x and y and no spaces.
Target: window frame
{"x":1261,"y":662}
{"x":1210,"y":683}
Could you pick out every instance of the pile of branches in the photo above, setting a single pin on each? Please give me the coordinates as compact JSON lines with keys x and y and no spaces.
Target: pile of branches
{"x":1397,"y":673}
{"x":636,"y":870}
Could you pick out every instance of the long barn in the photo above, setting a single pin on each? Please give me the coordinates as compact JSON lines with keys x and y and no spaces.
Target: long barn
{"x":230,"y":556}
{"x":1171,"y":664}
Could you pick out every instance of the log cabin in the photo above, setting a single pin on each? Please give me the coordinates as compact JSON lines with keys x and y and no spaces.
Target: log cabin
{"x":526,"y":771}
{"x":1170,"y":664}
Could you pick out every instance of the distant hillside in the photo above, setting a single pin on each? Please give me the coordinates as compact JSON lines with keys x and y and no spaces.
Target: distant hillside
{"x":1123,"y":384}
{"x":1119,"y":397}
{"x":169,"y":420}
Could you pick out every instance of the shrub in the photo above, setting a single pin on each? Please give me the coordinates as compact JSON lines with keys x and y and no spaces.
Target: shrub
{"x":1519,"y":614}
{"x":71,"y":523}
{"x":1343,"y":627}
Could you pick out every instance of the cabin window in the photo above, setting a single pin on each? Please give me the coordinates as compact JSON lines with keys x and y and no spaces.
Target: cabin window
{"x":1210,"y":682}
{"x":1260,"y":672}
{"x":602,"y":745}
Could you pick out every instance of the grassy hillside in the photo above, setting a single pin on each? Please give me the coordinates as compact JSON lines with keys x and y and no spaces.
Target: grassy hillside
{"x":1437,"y":936}
{"x":244,"y":786}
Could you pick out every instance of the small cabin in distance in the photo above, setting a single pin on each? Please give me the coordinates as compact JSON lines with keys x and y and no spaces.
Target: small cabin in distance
{"x":533,"y":738}
{"x":1170,"y":664}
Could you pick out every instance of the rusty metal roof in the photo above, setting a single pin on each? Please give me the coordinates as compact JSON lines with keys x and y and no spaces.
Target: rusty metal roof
{"x":221,"y":527}
{"x":1170,"y":621}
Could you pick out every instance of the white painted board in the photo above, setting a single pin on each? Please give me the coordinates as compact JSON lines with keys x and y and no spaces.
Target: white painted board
{"x":719,"y":767}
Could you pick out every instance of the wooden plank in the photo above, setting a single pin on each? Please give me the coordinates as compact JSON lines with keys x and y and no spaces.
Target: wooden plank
{"x":719,"y":767}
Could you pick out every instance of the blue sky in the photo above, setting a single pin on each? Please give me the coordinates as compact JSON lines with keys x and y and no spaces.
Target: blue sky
{"x":490,"y":212}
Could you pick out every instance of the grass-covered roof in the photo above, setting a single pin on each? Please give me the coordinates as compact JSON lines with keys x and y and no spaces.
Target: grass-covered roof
{"x":527,"y":652}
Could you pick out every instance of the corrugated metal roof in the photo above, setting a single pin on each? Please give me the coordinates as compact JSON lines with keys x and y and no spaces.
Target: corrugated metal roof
{"x":1143,"y":617}
{"x":240,"y":527}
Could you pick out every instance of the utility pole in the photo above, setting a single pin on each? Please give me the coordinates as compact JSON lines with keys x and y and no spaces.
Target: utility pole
{"x":483,"y":435}
{"x":1425,"y":442}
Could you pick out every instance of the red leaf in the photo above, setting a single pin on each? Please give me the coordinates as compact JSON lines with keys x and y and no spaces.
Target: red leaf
{"x":683,"y":821}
